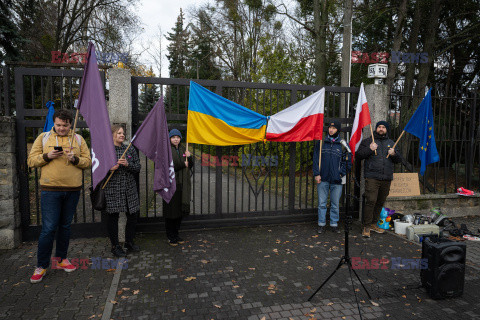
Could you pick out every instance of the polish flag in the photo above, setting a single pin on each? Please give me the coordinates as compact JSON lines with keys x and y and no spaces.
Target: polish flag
{"x":301,"y":122}
{"x":362,"y":119}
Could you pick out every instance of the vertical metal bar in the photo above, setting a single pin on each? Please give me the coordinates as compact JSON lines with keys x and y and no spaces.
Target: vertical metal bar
{"x":218,"y":172}
{"x":471,"y":150}
{"x":292,"y":150}
{"x":201,"y":177}
{"x":24,"y":203}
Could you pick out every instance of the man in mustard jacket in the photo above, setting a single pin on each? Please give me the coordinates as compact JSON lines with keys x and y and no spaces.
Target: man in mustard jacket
{"x":61,"y":157}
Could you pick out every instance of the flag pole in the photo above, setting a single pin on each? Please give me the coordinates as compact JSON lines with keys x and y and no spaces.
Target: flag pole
{"x":373,"y":138}
{"x":111,"y":173}
{"x":74,"y":128}
{"x":396,"y":142}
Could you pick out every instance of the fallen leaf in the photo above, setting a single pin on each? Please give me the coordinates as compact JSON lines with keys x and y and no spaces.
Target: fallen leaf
{"x":204,"y":261}
{"x":263,"y":318}
{"x":91,"y":317}
{"x":235,"y":287}
{"x":167,"y":290}
{"x":124,"y":297}
{"x":313,"y":310}
{"x":113,"y":301}
{"x":125,"y":289}
{"x":357,"y":290}
{"x":183,"y":310}
{"x":404,"y":296}
{"x":190,"y":278}
{"x":136,"y":291}
{"x":219,"y":307}
{"x":267,"y":256}
{"x":251,"y":268}
{"x":239,"y":297}
{"x":119,"y":292}
{"x":374,"y":303}
{"x":88,"y":297}
{"x":330,"y":304}
{"x":407,"y":304}
{"x":148,"y":275}
{"x":110,"y":270}
{"x":310,"y":268}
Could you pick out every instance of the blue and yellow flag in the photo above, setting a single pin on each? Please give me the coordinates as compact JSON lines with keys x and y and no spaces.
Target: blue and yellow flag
{"x":421,"y":126}
{"x":214,"y":120}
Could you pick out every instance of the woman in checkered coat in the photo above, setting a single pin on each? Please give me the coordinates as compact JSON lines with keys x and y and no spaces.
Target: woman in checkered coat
{"x":121,"y":193}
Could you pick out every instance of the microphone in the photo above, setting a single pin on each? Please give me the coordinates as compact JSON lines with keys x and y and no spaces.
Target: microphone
{"x":344,"y":143}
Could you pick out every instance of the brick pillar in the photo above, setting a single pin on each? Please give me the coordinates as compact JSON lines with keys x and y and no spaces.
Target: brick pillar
{"x":10,"y":230}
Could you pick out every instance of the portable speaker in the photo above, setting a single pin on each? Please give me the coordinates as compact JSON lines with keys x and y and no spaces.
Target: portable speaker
{"x":445,"y":275}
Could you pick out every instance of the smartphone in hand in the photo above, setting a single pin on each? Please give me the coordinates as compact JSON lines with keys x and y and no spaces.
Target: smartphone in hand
{"x":58,"y":148}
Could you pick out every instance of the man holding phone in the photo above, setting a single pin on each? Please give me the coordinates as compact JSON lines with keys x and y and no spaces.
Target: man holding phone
{"x":62,"y":157}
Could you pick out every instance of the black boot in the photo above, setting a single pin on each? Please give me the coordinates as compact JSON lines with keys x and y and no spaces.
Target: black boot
{"x":118,"y":251}
{"x":132,"y":247}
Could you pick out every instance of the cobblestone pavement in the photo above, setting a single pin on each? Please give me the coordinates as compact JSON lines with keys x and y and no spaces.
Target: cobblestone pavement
{"x":269,"y":272}
{"x":61,"y":295}
{"x":473,"y":247}
{"x":236,"y":273}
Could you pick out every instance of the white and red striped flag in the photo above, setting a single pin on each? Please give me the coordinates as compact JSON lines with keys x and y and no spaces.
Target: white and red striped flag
{"x":302,"y":121}
{"x":362,"y":119}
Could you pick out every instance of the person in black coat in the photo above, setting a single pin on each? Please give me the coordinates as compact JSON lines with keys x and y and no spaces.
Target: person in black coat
{"x":179,"y":205}
{"x":378,"y":172}
{"x":329,"y":179}
{"x":121,"y":194}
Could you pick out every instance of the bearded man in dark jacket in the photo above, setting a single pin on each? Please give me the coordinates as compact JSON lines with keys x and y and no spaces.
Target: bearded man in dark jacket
{"x":378,"y":172}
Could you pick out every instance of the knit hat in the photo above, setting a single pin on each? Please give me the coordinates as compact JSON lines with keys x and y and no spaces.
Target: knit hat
{"x":383,"y":123}
{"x":335,"y":123}
{"x":174,"y":132}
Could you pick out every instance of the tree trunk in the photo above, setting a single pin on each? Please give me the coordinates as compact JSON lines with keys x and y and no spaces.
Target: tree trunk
{"x":320,"y":23}
{"x":429,"y":47}
{"x":346,"y":53}
{"x":397,"y":41}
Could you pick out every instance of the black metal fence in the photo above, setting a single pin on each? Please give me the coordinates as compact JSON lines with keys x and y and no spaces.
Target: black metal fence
{"x":231,"y":182}
{"x":457,"y":135}
{"x":34,"y":87}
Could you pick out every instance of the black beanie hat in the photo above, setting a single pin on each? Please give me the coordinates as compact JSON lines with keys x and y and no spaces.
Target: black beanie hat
{"x":335,"y":123}
{"x":383,"y":123}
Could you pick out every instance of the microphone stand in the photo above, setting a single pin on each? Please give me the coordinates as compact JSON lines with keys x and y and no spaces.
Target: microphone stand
{"x":345,"y":259}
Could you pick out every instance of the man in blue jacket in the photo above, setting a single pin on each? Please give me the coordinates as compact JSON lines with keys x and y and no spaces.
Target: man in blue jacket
{"x":335,"y":165}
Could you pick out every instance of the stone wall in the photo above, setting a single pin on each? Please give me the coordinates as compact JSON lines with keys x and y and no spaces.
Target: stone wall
{"x":451,"y":204}
{"x":10,"y":231}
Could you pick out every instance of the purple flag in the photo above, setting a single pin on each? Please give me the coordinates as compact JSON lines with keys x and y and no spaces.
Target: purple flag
{"x":92,"y":106}
{"x":152,"y":139}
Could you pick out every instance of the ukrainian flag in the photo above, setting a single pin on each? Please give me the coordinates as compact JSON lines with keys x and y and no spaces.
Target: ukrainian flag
{"x":214,"y":120}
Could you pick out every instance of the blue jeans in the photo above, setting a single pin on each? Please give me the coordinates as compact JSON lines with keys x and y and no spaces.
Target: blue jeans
{"x":335,"y":193}
{"x":58,"y":208}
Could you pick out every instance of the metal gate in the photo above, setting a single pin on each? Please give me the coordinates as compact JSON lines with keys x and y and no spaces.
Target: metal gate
{"x":260,"y":183}
{"x":34,"y":87}
{"x":254,"y":184}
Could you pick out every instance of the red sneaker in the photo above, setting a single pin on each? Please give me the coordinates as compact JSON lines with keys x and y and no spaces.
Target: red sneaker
{"x":38,"y":275}
{"x":66,"y":265}
{"x":465,"y":192}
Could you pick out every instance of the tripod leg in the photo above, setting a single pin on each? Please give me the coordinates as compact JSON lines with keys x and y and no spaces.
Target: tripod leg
{"x":342,"y":261}
{"x":363,"y":286}
{"x":353,"y":287}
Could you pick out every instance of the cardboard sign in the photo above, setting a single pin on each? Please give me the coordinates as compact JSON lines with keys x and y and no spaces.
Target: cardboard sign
{"x":404,"y":184}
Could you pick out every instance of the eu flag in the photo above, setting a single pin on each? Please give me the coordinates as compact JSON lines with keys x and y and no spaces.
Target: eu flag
{"x":421,"y":126}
